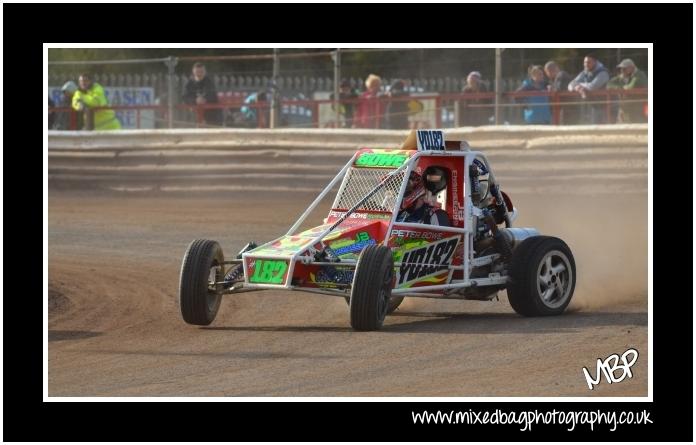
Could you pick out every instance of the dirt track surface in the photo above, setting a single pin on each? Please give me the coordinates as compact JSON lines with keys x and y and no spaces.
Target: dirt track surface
{"x":115,"y":327}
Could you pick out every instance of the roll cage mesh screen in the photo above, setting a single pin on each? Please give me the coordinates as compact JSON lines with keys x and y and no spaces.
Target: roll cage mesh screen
{"x":361,"y":181}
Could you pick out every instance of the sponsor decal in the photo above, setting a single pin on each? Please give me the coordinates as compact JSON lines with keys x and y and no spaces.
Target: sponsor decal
{"x":328,"y":275}
{"x":423,"y":262}
{"x":458,"y":212}
{"x":362,"y":240}
{"x":402,"y":233}
{"x":335,"y":214}
{"x":388,"y":160}
{"x":379,"y":216}
{"x":268,"y":271}
{"x":430,"y":140}
{"x":283,"y":246}
{"x":311,"y":233}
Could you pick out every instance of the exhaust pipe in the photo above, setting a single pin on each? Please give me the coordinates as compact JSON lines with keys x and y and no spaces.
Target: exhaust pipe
{"x":515,"y":235}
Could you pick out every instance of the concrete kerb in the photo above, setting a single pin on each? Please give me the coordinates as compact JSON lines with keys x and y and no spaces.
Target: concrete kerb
{"x":341,"y":139}
{"x":605,"y":157}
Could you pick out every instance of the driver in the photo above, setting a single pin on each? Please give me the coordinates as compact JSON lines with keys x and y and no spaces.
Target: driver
{"x":414,"y":209}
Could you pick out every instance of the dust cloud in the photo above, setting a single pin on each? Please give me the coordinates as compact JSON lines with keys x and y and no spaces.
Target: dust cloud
{"x":609,"y":240}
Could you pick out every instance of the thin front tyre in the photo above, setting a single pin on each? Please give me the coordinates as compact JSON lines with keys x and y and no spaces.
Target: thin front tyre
{"x":372,"y":286}
{"x":199,"y":295}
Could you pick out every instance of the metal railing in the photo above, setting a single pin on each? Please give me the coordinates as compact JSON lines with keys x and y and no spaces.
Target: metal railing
{"x":450,"y":110}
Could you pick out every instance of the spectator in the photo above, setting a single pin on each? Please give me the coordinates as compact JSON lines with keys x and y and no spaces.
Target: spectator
{"x":594,"y":77}
{"x":397,"y":110}
{"x":347,"y":98}
{"x":369,"y":111}
{"x":474,"y":111}
{"x":558,"y":79}
{"x":258,"y":116}
{"x":51,"y":113}
{"x":200,"y":90}
{"x":537,"y":110}
{"x":558,"y":82}
{"x":63,"y":118}
{"x":629,"y":78}
{"x":89,"y":95}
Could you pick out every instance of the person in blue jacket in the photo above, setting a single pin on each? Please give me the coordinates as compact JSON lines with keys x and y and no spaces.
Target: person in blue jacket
{"x":594,"y":77}
{"x":537,"y":109}
{"x":251,"y":113}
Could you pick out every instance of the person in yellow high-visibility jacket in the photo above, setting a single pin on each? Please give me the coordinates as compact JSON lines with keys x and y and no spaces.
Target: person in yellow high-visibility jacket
{"x":91,"y":94}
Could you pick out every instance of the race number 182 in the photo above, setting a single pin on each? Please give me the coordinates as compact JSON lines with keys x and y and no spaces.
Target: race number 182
{"x":269,"y":271}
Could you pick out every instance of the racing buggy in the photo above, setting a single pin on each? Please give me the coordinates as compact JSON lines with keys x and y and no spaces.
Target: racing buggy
{"x":367,"y":253}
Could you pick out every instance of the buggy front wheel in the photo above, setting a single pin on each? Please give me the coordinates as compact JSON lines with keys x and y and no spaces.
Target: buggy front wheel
{"x":199,"y":295}
{"x":372,"y":286}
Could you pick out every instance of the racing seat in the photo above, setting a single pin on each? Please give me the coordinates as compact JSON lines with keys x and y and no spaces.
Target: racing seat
{"x":436,"y":179}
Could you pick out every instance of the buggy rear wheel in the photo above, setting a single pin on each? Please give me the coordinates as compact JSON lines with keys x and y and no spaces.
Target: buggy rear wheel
{"x":542,"y":277}
{"x":199,"y":295}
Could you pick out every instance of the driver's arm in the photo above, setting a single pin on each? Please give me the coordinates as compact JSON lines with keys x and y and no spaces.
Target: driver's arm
{"x":440,"y":218}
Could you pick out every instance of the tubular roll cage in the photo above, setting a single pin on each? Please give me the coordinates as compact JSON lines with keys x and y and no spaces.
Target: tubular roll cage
{"x":423,"y":291}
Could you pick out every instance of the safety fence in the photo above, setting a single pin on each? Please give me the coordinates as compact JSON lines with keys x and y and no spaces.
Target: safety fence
{"x":157,"y":77}
{"x":418,"y":110}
